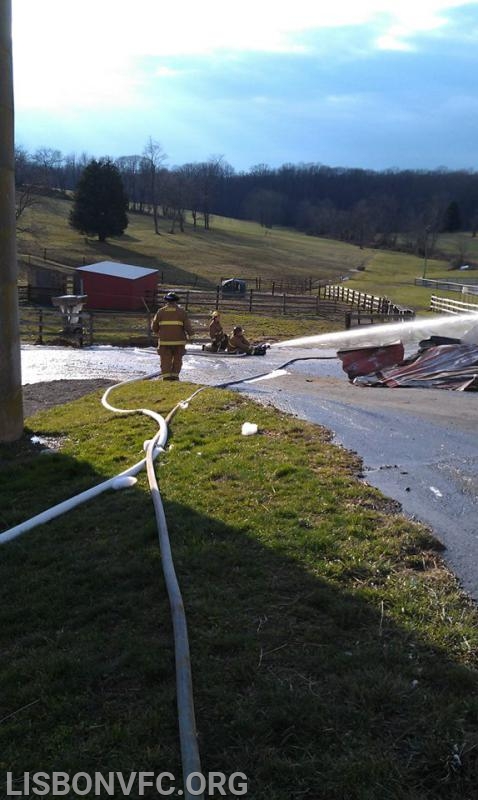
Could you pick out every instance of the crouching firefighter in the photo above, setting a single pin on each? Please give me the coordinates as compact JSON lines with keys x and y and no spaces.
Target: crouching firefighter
{"x":239,"y":344}
{"x":219,"y":339}
{"x":173,"y":328}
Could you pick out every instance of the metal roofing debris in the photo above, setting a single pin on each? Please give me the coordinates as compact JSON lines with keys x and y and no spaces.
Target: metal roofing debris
{"x":370,"y":359}
{"x":440,"y":363}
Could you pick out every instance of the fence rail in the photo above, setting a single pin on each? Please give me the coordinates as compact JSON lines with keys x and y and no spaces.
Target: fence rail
{"x":127,"y":328}
{"x":257,"y":302}
{"x":468,"y":286}
{"x":369,"y":302}
{"x":449,"y":306}
{"x":251,"y":301}
{"x":359,"y":317}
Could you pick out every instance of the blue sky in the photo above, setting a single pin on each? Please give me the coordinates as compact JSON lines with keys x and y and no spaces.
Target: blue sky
{"x":377,"y":84}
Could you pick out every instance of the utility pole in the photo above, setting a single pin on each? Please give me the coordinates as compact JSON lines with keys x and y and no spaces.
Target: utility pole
{"x":11,"y":398}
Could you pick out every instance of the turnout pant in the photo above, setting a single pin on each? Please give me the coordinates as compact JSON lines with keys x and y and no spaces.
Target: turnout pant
{"x":171,"y":360}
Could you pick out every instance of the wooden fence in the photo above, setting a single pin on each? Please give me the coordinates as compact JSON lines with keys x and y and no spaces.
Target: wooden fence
{"x":46,"y":326}
{"x":123,"y":329}
{"x":251,"y":301}
{"x":360,"y":317}
{"x":255,"y":302}
{"x":446,"y":305}
{"x":366,"y":302}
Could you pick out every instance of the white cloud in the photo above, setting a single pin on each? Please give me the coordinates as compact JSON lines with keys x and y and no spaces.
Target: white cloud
{"x":88,"y":53}
{"x":148,"y":27}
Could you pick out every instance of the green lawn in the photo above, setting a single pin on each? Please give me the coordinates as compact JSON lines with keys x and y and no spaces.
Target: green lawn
{"x":333,"y":654}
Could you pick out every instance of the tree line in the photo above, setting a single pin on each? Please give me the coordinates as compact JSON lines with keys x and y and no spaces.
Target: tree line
{"x":394,"y":208}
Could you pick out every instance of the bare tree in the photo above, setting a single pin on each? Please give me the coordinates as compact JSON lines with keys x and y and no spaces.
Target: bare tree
{"x":48,"y":162}
{"x":207,"y":178}
{"x":11,"y":400}
{"x":24,"y":199}
{"x":130,"y":168}
{"x":153,"y":159}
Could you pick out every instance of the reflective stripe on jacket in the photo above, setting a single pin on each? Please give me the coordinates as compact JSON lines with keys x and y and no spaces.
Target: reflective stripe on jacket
{"x":171,"y":324}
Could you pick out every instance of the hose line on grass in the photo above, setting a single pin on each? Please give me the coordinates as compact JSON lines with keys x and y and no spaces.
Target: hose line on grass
{"x":190,"y":759}
{"x":83,"y":497}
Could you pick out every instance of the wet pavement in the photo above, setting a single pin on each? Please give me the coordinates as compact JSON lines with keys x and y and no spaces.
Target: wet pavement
{"x":418,"y":446}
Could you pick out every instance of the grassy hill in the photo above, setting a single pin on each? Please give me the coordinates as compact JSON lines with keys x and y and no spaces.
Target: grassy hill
{"x":230,"y":248}
{"x":238,"y":248}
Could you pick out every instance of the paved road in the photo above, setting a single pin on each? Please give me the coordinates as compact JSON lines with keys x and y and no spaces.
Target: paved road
{"x":418,"y":446}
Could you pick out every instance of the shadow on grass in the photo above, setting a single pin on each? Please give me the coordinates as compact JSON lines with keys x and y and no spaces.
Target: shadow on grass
{"x":302,"y":686}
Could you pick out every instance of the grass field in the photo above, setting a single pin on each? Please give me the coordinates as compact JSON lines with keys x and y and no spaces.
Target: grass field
{"x":241,"y":249}
{"x":333,"y":654}
{"x":230,"y":248}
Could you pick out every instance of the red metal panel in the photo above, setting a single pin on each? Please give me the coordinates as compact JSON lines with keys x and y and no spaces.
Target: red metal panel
{"x":366,"y":360}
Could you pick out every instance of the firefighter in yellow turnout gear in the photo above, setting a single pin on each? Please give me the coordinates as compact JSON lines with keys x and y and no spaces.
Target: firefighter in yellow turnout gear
{"x":172,"y":326}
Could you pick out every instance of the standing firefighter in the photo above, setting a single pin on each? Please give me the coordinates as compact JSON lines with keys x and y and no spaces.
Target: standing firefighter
{"x":173,"y":328}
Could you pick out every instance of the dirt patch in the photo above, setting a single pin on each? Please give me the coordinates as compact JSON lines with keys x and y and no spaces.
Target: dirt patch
{"x":40,"y":396}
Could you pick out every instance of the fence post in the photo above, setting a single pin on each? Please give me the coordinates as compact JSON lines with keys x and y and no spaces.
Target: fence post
{"x":283,"y":303}
{"x":250,"y":300}
{"x":273,"y":287}
{"x":40,"y":327}
{"x":187,"y":299}
{"x":217,"y":297}
{"x":91,"y":327}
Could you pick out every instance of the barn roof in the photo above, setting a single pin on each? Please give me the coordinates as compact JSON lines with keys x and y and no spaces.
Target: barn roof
{"x":117,"y":270}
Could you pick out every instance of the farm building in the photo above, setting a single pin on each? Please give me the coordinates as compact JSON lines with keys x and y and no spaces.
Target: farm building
{"x":110,"y":284}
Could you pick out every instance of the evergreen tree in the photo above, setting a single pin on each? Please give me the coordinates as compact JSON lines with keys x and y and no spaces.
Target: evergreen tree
{"x":100,"y":202}
{"x":452,"y":218}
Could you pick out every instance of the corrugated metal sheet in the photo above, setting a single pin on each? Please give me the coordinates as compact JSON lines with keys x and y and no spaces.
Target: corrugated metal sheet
{"x":452,"y":366}
{"x":117,"y":270}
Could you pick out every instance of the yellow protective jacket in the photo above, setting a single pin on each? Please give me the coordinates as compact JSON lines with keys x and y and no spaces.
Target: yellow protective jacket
{"x":171,"y":324}
{"x":215,"y":330}
{"x":238,"y":344}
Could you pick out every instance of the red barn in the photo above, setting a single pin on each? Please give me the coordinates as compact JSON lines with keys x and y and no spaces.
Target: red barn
{"x":116,"y":286}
